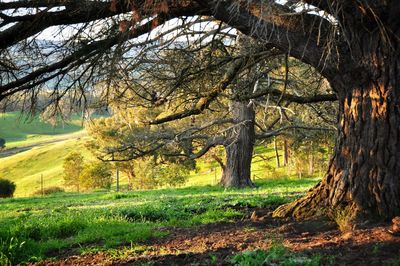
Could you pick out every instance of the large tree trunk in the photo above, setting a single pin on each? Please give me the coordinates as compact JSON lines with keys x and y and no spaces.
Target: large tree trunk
{"x":239,"y":150}
{"x":364,"y":171}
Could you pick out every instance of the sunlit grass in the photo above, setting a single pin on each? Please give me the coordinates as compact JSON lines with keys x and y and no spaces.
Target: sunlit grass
{"x":27,"y":168}
{"x":102,"y":220}
{"x":22,"y":130}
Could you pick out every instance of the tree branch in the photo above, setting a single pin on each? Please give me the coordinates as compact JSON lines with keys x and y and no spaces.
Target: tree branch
{"x":303,"y":36}
{"x":212,"y":142}
{"x":281,"y":130}
{"x":75,"y":12}
{"x":292,"y":98}
{"x":205,"y":101}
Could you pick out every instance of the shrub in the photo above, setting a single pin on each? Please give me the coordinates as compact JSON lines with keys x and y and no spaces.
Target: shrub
{"x":151,"y":175}
{"x":2,"y":143}
{"x":344,"y":218}
{"x":96,"y":175}
{"x":173,"y":174}
{"x":7,"y":188}
{"x":73,"y":166}
{"x":48,"y":191}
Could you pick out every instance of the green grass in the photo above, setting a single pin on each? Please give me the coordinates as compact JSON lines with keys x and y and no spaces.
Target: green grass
{"x":35,"y":228}
{"x":40,"y":228}
{"x":26,"y":168}
{"x":278,"y":254}
{"x":21,"y":130}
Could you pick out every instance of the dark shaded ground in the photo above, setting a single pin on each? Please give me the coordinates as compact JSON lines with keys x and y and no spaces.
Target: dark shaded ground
{"x":213,"y":244}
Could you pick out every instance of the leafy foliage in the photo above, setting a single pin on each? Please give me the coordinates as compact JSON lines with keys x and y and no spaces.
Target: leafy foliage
{"x":48,"y":191}
{"x":73,"y":166}
{"x":87,"y":176}
{"x":152,"y":175}
{"x":7,"y":188}
{"x":96,"y":175}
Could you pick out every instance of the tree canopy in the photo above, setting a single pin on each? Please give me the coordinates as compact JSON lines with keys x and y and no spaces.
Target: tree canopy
{"x":353,"y":44}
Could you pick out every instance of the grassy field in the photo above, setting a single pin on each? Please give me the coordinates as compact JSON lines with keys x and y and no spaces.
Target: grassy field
{"x":48,"y":147}
{"x":33,"y":229}
{"x":21,"y":130}
{"x":27,"y":168}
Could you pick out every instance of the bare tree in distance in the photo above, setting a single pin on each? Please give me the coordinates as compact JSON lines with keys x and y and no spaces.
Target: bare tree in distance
{"x":156,"y":105}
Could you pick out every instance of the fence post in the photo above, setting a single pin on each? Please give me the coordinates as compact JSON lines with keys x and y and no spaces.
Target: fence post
{"x":41,"y":184}
{"x":117,"y":178}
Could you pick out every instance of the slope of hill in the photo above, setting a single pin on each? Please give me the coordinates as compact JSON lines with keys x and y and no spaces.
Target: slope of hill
{"x":39,"y":150}
{"x":27,"y":168}
{"x":21,"y":130}
{"x":35,"y":148}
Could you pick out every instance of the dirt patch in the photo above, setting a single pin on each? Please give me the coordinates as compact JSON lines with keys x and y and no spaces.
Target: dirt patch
{"x":214,"y":244}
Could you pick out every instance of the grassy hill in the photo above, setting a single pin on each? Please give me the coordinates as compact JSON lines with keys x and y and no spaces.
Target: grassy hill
{"x":22,"y":130}
{"x":26,"y":168}
{"x":48,"y":147}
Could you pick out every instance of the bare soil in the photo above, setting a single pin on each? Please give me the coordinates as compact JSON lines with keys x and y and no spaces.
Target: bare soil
{"x":214,"y":244}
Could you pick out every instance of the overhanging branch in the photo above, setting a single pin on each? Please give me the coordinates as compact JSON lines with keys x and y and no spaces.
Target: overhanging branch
{"x":205,"y":101}
{"x":281,"y":130}
{"x":292,"y":98}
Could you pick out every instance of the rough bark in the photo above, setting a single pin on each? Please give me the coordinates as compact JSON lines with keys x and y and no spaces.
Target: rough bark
{"x":239,"y":150}
{"x":363,"y":174}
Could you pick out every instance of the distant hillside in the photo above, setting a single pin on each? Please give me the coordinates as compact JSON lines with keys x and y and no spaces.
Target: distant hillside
{"x":42,"y":150}
{"x":22,"y":130}
{"x":26,"y":168}
{"x":37,"y":148}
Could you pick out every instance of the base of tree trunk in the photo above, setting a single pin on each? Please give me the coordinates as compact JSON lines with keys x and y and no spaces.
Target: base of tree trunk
{"x":310,"y":205}
{"x":237,"y":182}
{"x":316,"y":204}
